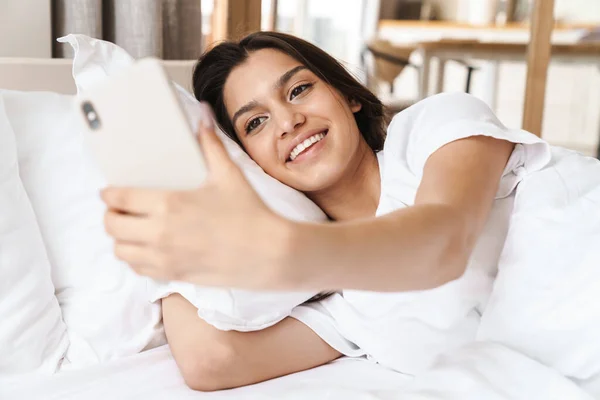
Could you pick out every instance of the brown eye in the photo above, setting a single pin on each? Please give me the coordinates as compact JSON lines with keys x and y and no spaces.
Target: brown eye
{"x":299,"y":89}
{"x":254,"y":123}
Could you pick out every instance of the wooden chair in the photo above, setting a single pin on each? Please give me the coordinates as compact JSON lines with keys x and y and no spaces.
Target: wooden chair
{"x":383,"y":62}
{"x":388,"y":61}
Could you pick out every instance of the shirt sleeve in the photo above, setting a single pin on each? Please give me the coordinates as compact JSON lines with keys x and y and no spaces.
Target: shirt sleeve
{"x":232,"y":309}
{"x":418,"y":132}
{"x":319,"y":318}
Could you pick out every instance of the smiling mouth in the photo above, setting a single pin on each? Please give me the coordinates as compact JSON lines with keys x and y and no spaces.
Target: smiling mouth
{"x":306,"y":145}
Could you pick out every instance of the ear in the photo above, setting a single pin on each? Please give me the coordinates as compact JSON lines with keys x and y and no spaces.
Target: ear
{"x":355,"y":106}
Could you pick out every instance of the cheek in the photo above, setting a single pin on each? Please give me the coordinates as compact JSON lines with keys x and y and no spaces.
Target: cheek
{"x":333,"y":107}
{"x":262,"y":152}
{"x":324,"y":102}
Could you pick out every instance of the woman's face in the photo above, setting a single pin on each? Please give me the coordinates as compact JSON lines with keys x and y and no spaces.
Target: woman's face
{"x":300,"y":130}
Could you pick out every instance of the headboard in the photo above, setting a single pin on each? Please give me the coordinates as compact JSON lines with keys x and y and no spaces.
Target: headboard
{"x":54,"y":74}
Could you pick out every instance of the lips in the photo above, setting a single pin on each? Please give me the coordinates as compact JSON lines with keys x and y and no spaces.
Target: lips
{"x":304,"y":142}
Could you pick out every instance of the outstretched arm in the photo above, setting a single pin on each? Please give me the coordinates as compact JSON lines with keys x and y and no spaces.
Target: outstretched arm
{"x":223,"y":234}
{"x":419,"y":247}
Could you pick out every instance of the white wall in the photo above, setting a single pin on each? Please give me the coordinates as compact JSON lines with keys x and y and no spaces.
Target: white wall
{"x":572,"y":108}
{"x":571,"y":112}
{"x":25,"y":28}
{"x":577,"y":10}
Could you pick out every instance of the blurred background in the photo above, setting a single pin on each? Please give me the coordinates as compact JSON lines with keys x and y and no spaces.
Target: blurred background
{"x":404,"y":50}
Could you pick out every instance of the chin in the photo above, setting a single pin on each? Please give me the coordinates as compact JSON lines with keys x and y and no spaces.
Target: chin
{"x":316,"y":182}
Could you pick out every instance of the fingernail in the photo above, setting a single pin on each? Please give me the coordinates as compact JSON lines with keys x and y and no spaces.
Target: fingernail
{"x":207,"y":118}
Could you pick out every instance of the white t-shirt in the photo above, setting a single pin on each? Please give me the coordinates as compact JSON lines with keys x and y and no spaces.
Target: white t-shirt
{"x":407,"y":330}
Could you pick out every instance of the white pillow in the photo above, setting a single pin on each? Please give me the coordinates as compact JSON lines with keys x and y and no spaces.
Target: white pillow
{"x":103,"y":302}
{"x":32,"y":334}
{"x":94,"y":61}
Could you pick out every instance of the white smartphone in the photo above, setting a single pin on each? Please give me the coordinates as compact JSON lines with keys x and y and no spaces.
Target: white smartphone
{"x":138,"y":132}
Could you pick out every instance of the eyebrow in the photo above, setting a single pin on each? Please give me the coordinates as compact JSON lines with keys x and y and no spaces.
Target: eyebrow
{"x":283,"y":79}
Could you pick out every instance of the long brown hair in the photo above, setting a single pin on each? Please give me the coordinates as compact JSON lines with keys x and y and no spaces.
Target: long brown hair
{"x":214,"y":66}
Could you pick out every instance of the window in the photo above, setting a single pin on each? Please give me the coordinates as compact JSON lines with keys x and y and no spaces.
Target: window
{"x":339,"y":27}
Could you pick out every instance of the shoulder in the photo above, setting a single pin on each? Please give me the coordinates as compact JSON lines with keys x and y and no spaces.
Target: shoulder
{"x":417,"y":132}
{"x":440,"y":119}
{"x":441,"y":109}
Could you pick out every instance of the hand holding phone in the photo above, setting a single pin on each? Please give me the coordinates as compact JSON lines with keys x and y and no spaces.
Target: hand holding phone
{"x":221,"y":233}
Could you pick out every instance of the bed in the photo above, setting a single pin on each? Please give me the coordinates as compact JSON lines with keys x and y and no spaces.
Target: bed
{"x":476,"y":371}
{"x":154,"y":375}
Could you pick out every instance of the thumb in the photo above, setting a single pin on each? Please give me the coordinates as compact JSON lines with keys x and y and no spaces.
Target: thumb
{"x":212,"y":147}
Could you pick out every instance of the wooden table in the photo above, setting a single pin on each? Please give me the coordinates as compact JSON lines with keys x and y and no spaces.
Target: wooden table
{"x":398,"y":31}
{"x":585,"y":52}
{"x":443,"y":40}
{"x":439,"y":41}
{"x":443,"y":50}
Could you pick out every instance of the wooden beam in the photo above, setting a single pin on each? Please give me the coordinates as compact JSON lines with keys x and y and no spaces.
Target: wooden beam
{"x":233,"y":19}
{"x":538,"y":59}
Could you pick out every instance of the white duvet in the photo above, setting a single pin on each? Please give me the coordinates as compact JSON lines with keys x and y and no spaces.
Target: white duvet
{"x":479,"y":371}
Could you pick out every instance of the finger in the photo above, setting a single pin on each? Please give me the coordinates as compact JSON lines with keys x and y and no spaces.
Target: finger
{"x":212,"y":147}
{"x":150,"y":261}
{"x":131,"y":253}
{"x":150,"y":272}
{"x":134,"y":200}
{"x":147,"y":260}
{"x":141,"y":255}
{"x":131,"y":228}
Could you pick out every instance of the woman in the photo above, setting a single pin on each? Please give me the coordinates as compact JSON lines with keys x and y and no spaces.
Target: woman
{"x":311,"y":125}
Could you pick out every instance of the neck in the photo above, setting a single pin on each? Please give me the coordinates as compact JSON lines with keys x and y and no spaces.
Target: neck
{"x":356,"y":195}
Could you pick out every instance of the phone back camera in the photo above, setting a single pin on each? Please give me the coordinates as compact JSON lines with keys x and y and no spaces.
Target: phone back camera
{"x":91,"y":116}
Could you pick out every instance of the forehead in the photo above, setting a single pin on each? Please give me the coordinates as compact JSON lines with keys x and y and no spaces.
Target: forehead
{"x":255,"y":77}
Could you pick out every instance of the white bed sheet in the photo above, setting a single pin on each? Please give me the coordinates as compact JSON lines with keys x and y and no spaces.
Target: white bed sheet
{"x":478,"y":371}
{"x":154,"y":375}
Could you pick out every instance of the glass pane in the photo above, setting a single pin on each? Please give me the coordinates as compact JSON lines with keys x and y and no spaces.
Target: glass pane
{"x":287,"y":12}
{"x":207,"y":10}
{"x":335,"y":26}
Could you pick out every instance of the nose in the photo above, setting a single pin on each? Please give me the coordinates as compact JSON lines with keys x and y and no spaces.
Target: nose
{"x":289,"y":118}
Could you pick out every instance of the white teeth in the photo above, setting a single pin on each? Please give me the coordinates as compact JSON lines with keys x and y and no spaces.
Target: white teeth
{"x":305,"y":145}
